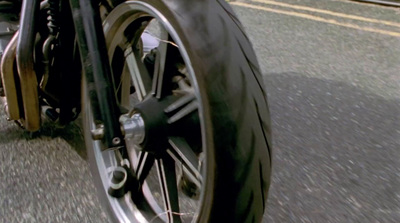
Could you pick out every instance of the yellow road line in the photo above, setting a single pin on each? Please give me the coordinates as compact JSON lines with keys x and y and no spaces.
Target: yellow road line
{"x":319,"y":19}
{"x":337,"y":14}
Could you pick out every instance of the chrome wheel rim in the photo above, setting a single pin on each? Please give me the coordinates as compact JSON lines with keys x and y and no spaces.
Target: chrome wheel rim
{"x":123,"y":18}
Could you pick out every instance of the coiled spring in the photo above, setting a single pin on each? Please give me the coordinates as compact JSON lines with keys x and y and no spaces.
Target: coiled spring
{"x":52,"y":18}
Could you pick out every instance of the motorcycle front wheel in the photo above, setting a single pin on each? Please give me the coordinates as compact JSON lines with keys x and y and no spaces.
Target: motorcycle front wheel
{"x":201,"y":152}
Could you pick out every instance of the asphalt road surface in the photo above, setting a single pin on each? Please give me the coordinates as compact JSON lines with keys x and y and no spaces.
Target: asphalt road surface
{"x":332,"y":71}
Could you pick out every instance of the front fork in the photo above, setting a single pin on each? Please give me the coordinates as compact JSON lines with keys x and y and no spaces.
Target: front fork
{"x":96,"y":66}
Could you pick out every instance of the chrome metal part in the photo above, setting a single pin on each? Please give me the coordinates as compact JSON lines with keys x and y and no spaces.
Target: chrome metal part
{"x":52,"y":17}
{"x":119,"y":181}
{"x":26,"y":71}
{"x":182,"y":153}
{"x":8,"y":78}
{"x":46,"y":61}
{"x":49,"y":113}
{"x":98,"y":133}
{"x":133,"y":128}
{"x":116,"y":141}
{"x":163,"y":162}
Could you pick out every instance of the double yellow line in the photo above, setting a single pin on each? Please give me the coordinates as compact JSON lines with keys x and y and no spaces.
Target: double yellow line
{"x":322,"y":19}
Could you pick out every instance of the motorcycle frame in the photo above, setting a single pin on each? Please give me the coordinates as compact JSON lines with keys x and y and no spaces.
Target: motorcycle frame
{"x":88,"y":31}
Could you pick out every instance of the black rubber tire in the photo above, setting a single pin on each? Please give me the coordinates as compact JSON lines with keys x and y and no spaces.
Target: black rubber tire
{"x":228,"y":70}
{"x":235,"y":109}
{"x":235,"y":104}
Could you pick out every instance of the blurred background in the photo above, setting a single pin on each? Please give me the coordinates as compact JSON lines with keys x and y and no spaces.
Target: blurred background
{"x":332,"y":72}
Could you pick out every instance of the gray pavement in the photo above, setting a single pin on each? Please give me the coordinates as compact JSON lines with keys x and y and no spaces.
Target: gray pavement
{"x":333,"y":83}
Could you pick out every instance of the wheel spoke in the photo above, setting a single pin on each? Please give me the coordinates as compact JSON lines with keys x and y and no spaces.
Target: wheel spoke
{"x":183,"y":154}
{"x":179,"y":103}
{"x":124,"y":87}
{"x":139,"y":75}
{"x":182,"y":107}
{"x":159,"y":66}
{"x":146,"y":161}
{"x":166,"y":56}
{"x":169,"y":189}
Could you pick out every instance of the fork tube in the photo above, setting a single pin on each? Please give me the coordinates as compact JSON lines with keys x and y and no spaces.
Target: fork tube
{"x":97,"y":69}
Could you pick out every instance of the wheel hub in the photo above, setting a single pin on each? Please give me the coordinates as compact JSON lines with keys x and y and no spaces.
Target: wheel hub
{"x":155,"y":122}
{"x":147,"y":125}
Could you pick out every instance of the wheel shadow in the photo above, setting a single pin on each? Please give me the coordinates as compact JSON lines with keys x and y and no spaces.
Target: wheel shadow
{"x":336,"y":152}
{"x":71,"y":133}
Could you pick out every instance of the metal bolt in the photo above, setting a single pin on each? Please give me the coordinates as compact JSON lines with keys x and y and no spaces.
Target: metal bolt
{"x":98,"y":133}
{"x":116,"y":141}
{"x":133,"y":128}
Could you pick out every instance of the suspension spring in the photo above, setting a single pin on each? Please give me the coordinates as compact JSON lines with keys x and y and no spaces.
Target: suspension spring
{"x":52,"y":18}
